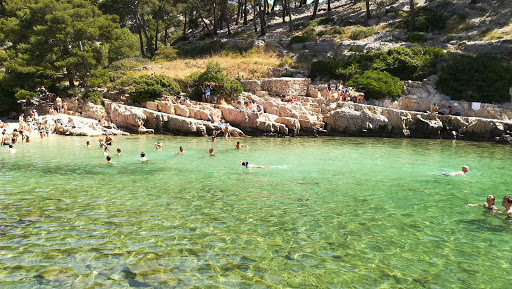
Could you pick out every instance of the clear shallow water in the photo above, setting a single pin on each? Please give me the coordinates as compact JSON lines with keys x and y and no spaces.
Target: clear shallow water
{"x":336,"y":213}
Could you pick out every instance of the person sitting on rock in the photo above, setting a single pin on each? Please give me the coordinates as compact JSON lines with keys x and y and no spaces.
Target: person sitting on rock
{"x":360,"y":98}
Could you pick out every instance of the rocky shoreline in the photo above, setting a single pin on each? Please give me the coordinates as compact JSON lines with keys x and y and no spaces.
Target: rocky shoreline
{"x":303,"y":116}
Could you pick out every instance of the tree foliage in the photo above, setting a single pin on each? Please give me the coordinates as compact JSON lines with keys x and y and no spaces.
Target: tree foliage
{"x":481,"y":78}
{"x":377,"y":84}
{"x":51,"y":41}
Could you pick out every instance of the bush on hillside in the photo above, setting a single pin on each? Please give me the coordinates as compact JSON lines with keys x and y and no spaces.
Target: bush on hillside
{"x":223,"y":87}
{"x":415,"y":63}
{"x":377,"y":85}
{"x":426,"y":21}
{"x":481,"y":78}
{"x":416,"y":37}
{"x":149,"y":88}
{"x":25,"y":94}
{"x":214,"y":47}
{"x":320,"y":21}
{"x":166,"y":53}
{"x":93,"y":96}
{"x":362,"y":33}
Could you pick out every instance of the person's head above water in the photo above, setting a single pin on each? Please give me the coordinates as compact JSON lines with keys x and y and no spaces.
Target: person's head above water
{"x":245,"y":164}
{"x":465,"y":169}
{"x":109,"y":158}
{"x":181,"y":148}
{"x":142,"y":154}
{"x":118,"y":150}
{"x":490,"y":200}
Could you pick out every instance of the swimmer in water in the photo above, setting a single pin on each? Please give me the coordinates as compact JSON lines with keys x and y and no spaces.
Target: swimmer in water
{"x":463,"y":172}
{"x":11,"y":149}
{"x":109,"y":160}
{"x":247,"y":165}
{"x":507,"y":202}
{"x":143,"y":157}
{"x":239,"y":146}
{"x":489,"y":204}
{"x":182,"y":151}
{"x":88,"y":144}
{"x":158,"y":146}
{"x":119,"y":153}
{"x":211,"y":152}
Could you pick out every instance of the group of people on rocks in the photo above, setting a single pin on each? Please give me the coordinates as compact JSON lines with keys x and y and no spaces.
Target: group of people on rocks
{"x":340,"y":92}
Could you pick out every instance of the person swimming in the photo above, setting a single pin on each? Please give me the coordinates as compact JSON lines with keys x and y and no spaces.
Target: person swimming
{"x":11,"y":149}
{"x":247,"y":165}
{"x":212,"y":153}
{"x":507,"y":203}
{"x":88,"y":144}
{"x":109,"y":160}
{"x":143,"y":157}
{"x":239,"y":146}
{"x":489,"y":204}
{"x":462,"y":172}
{"x":182,"y":151}
{"x":158,"y":146}
{"x":119,"y":153}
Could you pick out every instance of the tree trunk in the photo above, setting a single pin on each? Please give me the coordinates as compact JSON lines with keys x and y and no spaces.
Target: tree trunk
{"x":273,"y":6}
{"x":245,"y":12}
{"x":368,"y":14}
{"x":156,"y":35}
{"x":214,"y":19}
{"x":262,"y":15}
{"x":141,"y":41}
{"x":329,"y":5}
{"x":226,"y":16}
{"x":238,"y":10}
{"x":71,"y":77}
{"x":254,"y":16}
{"x":286,"y":3}
{"x":166,"y":35}
{"x":185,"y":25}
{"x":413,"y":14}
{"x":284,"y":10}
{"x":205,"y":24}
{"x":146,"y":35}
{"x":314,"y":10}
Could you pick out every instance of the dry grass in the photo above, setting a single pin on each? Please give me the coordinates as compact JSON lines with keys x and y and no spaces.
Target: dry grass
{"x":252,"y":66}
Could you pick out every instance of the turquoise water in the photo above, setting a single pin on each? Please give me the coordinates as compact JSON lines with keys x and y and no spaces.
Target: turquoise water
{"x":335,"y":213}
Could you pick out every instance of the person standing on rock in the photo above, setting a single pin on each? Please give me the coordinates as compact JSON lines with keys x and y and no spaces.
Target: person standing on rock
{"x":58,"y":104}
{"x":207,"y":93}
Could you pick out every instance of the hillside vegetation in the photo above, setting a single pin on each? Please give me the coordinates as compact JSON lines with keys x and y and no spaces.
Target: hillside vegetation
{"x":59,"y":44}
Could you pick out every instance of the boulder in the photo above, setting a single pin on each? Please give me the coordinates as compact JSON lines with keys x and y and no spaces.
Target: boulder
{"x":128,"y":117}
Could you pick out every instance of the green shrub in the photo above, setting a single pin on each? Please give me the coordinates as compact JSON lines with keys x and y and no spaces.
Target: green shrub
{"x":98,"y":77}
{"x":416,"y":37}
{"x":481,"y":78}
{"x":325,"y":69}
{"x":320,"y":21}
{"x":285,"y":62}
{"x":73,"y":92}
{"x":127,"y":64}
{"x":222,"y":87}
{"x":166,"y":53}
{"x":415,"y":63}
{"x":298,"y":39}
{"x":24,"y":94}
{"x":93,"y":96}
{"x":149,"y":88}
{"x":331,"y":31}
{"x":362,"y":33}
{"x":377,"y":85}
{"x":426,"y":21}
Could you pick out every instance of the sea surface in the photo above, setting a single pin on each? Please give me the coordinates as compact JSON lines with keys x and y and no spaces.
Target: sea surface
{"x":330,"y":213}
